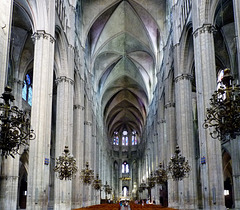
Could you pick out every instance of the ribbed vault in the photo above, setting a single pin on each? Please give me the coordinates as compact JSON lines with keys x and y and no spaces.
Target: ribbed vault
{"x":123,"y":44}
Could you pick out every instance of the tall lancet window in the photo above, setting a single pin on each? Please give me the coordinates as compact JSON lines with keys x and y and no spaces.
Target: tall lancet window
{"x":115,"y":138}
{"x":27,"y":88}
{"x":125,"y":168}
{"x":134,"y":138}
{"x":124,"y":138}
{"x":219,"y":81}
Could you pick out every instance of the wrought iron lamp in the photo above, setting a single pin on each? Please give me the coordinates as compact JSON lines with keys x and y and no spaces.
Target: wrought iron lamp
{"x":108,"y":189}
{"x":97,"y":183}
{"x":224,"y":113}
{"x":14,"y":126}
{"x":87,"y":175}
{"x":161,"y":175}
{"x":66,"y":165}
{"x":178,"y":167}
{"x":142,"y":187}
{"x":151,"y":183}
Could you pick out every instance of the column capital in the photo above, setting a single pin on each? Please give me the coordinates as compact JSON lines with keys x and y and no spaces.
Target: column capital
{"x":209,"y":28}
{"x":41,"y":34}
{"x":161,"y":120}
{"x":87,"y":123}
{"x":18,"y":81}
{"x":169,"y":104}
{"x":182,"y":77}
{"x":64,"y":79}
{"x":78,"y":106}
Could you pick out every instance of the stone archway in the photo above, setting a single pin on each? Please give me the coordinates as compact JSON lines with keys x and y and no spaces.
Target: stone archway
{"x":228,"y":180}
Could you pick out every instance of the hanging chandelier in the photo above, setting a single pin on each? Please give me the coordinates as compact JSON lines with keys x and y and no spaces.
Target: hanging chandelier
{"x":108,"y":189}
{"x":97,"y":183}
{"x":87,"y":175}
{"x":178,"y":167}
{"x":142,"y":187}
{"x":151,"y":181}
{"x":14,"y":126}
{"x":224,"y":114}
{"x":66,"y":165}
{"x":161,"y":175}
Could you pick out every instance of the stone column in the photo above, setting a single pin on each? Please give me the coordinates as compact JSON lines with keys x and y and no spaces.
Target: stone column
{"x":171,"y":139}
{"x":64,"y":137}
{"x":205,"y":70}
{"x":5,"y":36}
{"x":88,"y":152}
{"x":235,"y":155}
{"x":78,"y":143}
{"x":236,"y":9}
{"x":235,"y":145}
{"x":185,"y":140}
{"x":38,"y":177}
{"x":94,"y":158}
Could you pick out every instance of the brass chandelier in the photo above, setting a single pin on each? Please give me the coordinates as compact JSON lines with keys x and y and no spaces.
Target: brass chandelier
{"x":14,"y":126}
{"x":108,"y":189}
{"x":66,"y":165}
{"x":97,"y":183}
{"x":151,"y":181}
{"x":161,"y":175}
{"x":87,"y":175}
{"x":178,"y":167}
{"x":142,"y":187}
{"x":224,"y":112}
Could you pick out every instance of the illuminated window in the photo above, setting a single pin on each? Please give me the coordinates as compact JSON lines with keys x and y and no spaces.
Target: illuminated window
{"x":125,"y":138}
{"x":125,"y":167}
{"x":27,"y":89}
{"x":219,"y":82}
{"x":134,"y":138}
{"x":115,"y":139}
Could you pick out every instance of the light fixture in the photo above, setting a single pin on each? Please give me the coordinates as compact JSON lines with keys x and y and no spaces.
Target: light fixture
{"x":161,"y":175}
{"x":151,"y":181}
{"x":97,"y":183}
{"x":224,"y":112}
{"x":142,"y":187}
{"x":87,"y":175}
{"x":177,"y":166}
{"x":108,"y":189}
{"x":66,"y":165}
{"x":14,"y":126}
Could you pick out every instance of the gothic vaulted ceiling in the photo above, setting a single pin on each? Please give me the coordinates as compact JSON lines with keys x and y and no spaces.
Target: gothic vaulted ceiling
{"x":124,"y":41}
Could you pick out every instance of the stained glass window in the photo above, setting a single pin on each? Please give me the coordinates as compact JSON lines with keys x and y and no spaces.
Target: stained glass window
{"x":27,"y":89}
{"x":115,"y":139}
{"x":125,"y":138}
{"x":219,"y":81}
{"x":134,"y":138}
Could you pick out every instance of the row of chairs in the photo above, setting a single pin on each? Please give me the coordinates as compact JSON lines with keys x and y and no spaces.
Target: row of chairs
{"x":134,"y":206}
{"x":114,"y":206}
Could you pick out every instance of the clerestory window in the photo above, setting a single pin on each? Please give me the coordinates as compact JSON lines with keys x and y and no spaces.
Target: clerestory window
{"x":27,"y":89}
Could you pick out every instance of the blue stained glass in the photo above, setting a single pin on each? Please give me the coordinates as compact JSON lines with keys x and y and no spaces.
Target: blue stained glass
{"x":24,"y":91}
{"x":28,"y":79}
{"x":117,"y":141}
{"x":133,"y":140}
{"x":126,"y":140}
{"x":30,"y":96}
